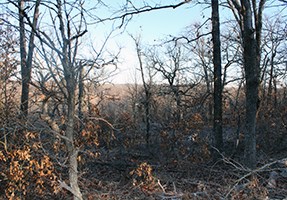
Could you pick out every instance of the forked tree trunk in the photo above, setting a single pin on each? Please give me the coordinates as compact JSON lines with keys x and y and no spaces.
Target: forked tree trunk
{"x":26,"y":59}
{"x":71,"y":79}
{"x":248,"y":14}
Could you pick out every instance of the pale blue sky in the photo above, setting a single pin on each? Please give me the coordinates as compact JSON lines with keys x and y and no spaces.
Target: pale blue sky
{"x":152,"y":26}
{"x":161,"y":23}
{"x":156,"y":25}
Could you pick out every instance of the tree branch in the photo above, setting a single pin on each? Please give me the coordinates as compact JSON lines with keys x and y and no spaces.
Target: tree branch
{"x":143,"y":10}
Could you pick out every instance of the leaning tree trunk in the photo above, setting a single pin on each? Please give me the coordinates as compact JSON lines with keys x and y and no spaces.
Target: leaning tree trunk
{"x":71,"y":80}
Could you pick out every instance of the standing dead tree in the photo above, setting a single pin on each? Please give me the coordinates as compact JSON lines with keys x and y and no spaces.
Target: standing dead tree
{"x":147,"y":85}
{"x":67,"y":53}
{"x":174,"y":66}
{"x":273,"y":58}
{"x":68,"y":71}
{"x":61,"y":52}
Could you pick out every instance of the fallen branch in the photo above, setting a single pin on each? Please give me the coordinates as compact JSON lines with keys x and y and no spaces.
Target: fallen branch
{"x":169,"y":195}
{"x":104,"y":120}
{"x":251,"y":172}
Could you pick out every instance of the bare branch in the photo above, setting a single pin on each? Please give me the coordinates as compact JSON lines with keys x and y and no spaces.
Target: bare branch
{"x":143,"y":10}
{"x":175,"y":39}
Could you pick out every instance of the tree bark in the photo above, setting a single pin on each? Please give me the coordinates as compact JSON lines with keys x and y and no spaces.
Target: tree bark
{"x":81,"y":96}
{"x":147,"y":91}
{"x":23,"y":56}
{"x":71,"y":79}
{"x":252,"y":83}
{"x":71,"y":96}
{"x":26,"y":59}
{"x":73,"y":152}
{"x":217,"y":94}
{"x":248,"y":15}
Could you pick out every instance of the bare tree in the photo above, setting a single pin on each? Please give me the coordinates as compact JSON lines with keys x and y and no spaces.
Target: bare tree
{"x":147,"y":85}
{"x":67,"y":55}
{"x":69,"y":27}
{"x":198,"y":43}
{"x":174,"y":65}
{"x":69,"y":72}
{"x":273,"y":57}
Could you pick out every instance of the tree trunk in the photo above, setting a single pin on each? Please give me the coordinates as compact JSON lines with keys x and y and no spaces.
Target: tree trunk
{"x":81,"y":96}
{"x":217,"y":95}
{"x":26,"y":60}
{"x":271,"y":78}
{"x":248,"y":14}
{"x":176,"y":93}
{"x":147,"y":115}
{"x":71,"y":80}
{"x":23,"y":56}
{"x":251,"y":69}
{"x":72,"y":150}
{"x":269,"y":92}
{"x":147,"y":91}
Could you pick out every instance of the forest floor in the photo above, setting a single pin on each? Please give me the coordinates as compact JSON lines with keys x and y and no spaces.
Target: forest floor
{"x":139,"y":176}
{"x":174,"y":168}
